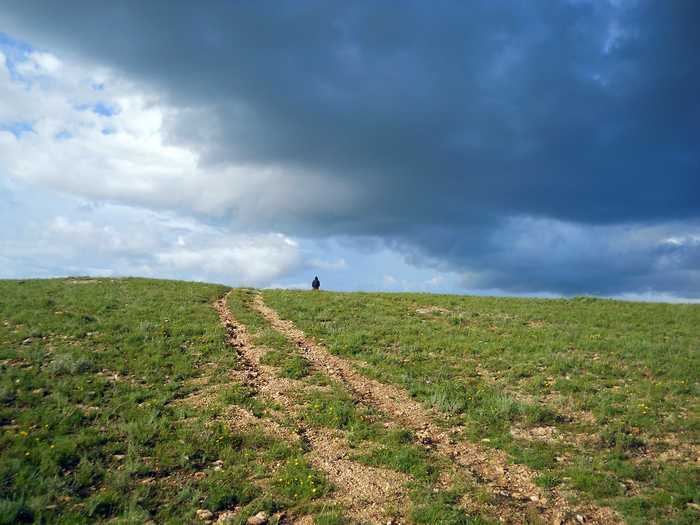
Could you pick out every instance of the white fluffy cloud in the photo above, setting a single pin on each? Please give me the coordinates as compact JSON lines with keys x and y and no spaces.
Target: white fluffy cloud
{"x":322,"y":264}
{"x":97,"y":188}
{"x":39,"y":64}
{"x":251,"y":259}
{"x":121,"y":240}
{"x":96,"y":135}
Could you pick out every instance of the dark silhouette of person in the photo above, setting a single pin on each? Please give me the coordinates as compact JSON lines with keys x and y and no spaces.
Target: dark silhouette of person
{"x":316,"y":284}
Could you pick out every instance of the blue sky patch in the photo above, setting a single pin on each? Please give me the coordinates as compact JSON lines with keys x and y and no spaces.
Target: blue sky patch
{"x":17,"y":128}
{"x":105,"y":110}
{"x":15,"y":51}
{"x":6,"y":41}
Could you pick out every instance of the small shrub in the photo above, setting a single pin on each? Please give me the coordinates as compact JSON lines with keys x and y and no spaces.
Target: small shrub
{"x":621,"y":438}
{"x":68,"y":364}
{"x":450,"y":398}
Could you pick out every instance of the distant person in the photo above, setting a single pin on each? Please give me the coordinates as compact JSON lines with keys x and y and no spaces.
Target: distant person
{"x":316,"y":284}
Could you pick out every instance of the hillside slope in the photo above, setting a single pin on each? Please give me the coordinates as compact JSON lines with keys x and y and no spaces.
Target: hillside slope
{"x":117,"y":401}
{"x":134,"y":400}
{"x":598,"y":398}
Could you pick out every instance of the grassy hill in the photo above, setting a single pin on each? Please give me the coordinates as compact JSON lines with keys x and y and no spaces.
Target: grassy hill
{"x":598,"y":395}
{"x":129,"y":400}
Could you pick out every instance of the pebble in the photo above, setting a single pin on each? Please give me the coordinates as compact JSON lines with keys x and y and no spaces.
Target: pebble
{"x":205,"y":515}
{"x":225,"y":518}
{"x":259,"y":519}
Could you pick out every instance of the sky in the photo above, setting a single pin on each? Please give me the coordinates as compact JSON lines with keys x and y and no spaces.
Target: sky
{"x":547,"y":148}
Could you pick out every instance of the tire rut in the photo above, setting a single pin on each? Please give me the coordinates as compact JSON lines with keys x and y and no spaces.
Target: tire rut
{"x":367,"y":494}
{"x":519,"y":499}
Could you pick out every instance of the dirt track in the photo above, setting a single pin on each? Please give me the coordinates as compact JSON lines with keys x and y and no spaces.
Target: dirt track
{"x":366,"y":493}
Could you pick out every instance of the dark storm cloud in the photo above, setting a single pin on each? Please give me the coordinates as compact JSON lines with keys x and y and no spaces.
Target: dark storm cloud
{"x":527,"y":254}
{"x":452,"y":117}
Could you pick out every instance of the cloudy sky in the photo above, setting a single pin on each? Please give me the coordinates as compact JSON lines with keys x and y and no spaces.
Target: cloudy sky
{"x":538,"y":148}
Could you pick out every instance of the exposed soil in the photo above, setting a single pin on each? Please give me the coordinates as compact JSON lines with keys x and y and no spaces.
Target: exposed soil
{"x":427,"y":310}
{"x":520,"y":500}
{"x":367,"y":494}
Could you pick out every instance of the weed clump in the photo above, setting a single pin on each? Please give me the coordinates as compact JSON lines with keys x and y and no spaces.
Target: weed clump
{"x":330,"y":517}
{"x":621,"y":438}
{"x":69,"y":364}
{"x":442,"y":509}
{"x":244,"y":396}
{"x":290,"y":366}
{"x":335,"y":409}
{"x":298,"y":482}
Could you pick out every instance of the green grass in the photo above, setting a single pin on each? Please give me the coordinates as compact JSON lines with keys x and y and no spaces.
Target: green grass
{"x":95,"y":374}
{"x":93,"y":427}
{"x":281,"y":353}
{"x":334,"y":408}
{"x":330,"y":517}
{"x":290,"y":366}
{"x":496,"y":363}
{"x":440,"y":509}
{"x":299,"y":482}
{"x":241,"y":395}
